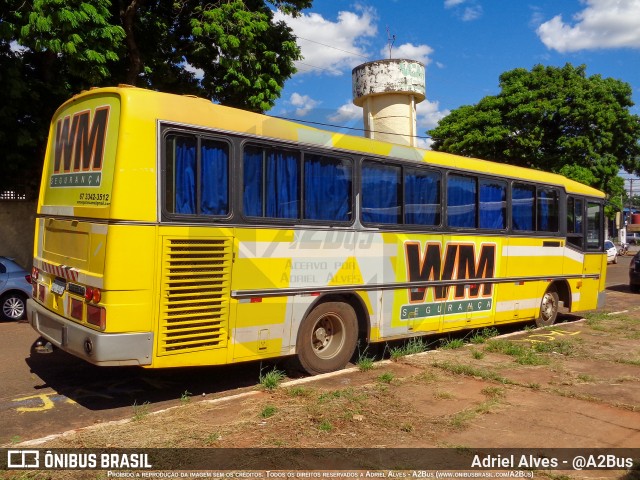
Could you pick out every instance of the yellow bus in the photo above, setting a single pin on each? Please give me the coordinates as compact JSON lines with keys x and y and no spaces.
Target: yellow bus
{"x":175,"y":232}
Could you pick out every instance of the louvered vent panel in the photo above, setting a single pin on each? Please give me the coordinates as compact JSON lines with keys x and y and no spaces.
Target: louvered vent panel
{"x":195,"y":295}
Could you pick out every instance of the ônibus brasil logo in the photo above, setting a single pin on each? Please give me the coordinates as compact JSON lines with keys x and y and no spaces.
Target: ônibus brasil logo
{"x":460,"y":261}
{"x":79,"y":149}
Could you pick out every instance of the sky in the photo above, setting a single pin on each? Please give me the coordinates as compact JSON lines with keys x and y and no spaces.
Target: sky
{"x":464,"y":44}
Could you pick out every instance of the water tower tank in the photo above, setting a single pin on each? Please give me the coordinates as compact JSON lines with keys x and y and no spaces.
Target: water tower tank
{"x":388,"y":91}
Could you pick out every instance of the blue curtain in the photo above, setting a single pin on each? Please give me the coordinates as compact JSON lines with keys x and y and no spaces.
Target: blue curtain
{"x":547,"y":210}
{"x":185,"y":172}
{"x":522,"y":207}
{"x":493,"y":205}
{"x":214,"y":190}
{"x":380,"y":193}
{"x":461,"y":202}
{"x":327,"y":189}
{"x":252,"y":194}
{"x":422,"y":197}
{"x":271,"y":183}
{"x":282,"y":185}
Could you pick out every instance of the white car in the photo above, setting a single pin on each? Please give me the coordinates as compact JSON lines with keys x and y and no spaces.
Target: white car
{"x":612,"y":251}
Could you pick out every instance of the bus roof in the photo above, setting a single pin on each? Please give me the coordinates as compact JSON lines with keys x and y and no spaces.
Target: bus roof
{"x":200,"y":112}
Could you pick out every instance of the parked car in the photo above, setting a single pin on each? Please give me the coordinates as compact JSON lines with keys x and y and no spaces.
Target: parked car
{"x":612,"y":251}
{"x":15,"y":288}
{"x":634,"y":273}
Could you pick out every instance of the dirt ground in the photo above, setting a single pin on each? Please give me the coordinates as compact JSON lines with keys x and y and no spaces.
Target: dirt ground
{"x":576,"y":384}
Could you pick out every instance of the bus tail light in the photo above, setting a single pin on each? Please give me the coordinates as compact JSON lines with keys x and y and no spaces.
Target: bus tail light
{"x":97,"y":316}
{"x":92,"y":294}
{"x":76,"y":308}
{"x":35,"y":274}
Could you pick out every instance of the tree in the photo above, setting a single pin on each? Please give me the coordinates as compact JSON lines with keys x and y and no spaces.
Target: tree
{"x":553,"y":119}
{"x":230,"y":51}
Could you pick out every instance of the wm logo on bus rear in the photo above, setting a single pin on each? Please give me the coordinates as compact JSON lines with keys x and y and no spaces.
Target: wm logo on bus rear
{"x":79,"y":148}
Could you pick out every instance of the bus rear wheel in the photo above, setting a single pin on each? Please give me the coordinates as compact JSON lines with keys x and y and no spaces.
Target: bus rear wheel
{"x":327,"y":338}
{"x":548,"y":309}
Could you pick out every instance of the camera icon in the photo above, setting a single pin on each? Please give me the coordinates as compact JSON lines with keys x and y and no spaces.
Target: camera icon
{"x":23,"y":459}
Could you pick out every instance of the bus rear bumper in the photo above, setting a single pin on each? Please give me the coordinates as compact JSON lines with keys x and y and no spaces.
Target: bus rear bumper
{"x":104,"y":349}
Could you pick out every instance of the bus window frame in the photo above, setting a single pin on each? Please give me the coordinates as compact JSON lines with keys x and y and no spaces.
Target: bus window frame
{"x":599,"y":248}
{"x":402,"y":165}
{"x":199,"y":136}
{"x":302,"y":151}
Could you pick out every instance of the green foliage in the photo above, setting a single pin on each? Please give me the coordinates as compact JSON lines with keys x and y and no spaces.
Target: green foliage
{"x":272,"y":379}
{"x":552,"y":119}
{"x":231,"y":52}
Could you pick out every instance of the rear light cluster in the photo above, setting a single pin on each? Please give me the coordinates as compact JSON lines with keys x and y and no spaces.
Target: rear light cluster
{"x":92,"y":294}
{"x":95,"y":315}
{"x":35,"y":273}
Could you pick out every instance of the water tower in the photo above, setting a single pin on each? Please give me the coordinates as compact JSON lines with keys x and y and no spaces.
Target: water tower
{"x":388,"y":92}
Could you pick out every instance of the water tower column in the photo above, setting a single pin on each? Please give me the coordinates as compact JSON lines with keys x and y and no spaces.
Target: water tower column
{"x":388,"y":91}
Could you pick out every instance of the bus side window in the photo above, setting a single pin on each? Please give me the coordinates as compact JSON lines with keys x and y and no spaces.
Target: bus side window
{"x":461,"y":201}
{"x":522,"y":207}
{"x":180,"y":179}
{"x":547,"y":210}
{"x":422,"y":197}
{"x":574,"y":222}
{"x":271,"y":183}
{"x":214,"y":178}
{"x":381,"y":193}
{"x":196,"y":181}
{"x":327,"y":188}
{"x":493,"y":204}
{"x":594,"y":226}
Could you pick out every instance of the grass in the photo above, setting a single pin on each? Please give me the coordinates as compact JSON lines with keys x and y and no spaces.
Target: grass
{"x":185,"y":397}
{"x":140,"y":411}
{"x":348,"y":394}
{"x":325,"y":426}
{"x":469,"y":371}
{"x":481,"y":336}
{"x":298,"y":392}
{"x":493,"y":392}
{"x":451,"y":344}
{"x":477,"y":354}
{"x":386,"y":377}
{"x":413,"y":346}
{"x":464,"y":417}
{"x":268,"y":411}
{"x":272,"y":379}
{"x":365,"y":362}
{"x":440,"y":395}
{"x":528,"y":355}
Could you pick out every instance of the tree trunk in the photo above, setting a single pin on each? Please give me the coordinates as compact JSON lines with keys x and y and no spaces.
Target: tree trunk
{"x":128,"y":15}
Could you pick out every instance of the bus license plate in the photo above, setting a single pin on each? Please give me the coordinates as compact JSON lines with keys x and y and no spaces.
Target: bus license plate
{"x":58,"y":286}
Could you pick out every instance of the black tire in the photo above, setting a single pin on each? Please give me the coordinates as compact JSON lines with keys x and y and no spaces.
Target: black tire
{"x":327,"y":338}
{"x":13,"y":306}
{"x":548,"y":309}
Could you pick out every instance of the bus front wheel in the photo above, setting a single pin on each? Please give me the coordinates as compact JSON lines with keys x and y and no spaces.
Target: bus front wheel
{"x":548,"y":309}
{"x":327,"y":338}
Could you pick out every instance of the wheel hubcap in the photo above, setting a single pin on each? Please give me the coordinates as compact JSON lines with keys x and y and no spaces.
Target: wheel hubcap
{"x":547,"y":306}
{"x":327,"y":336}
{"x":13,"y":308}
